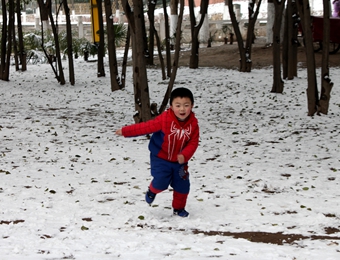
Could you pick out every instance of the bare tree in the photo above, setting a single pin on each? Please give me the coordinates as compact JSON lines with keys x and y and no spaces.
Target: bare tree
{"x":3,"y":64}
{"x":6,"y":40}
{"x":14,"y":41}
{"x":69,"y":42}
{"x":124,"y":63}
{"x":195,"y":29}
{"x":176,"y":59}
{"x":22,"y":52}
{"x":154,"y":35}
{"x":290,"y":41}
{"x":115,"y":80}
{"x":141,"y":89}
{"x":167,"y":39}
{"x":245,"y":51}
{"x":45,"y":13}
{"x":152,"y":31}
{"x":277,"y":81}
{"x":312,"y":89}
{"x":100,"y":63}
{"x":326,"y":83}
{"x":173,"y":18}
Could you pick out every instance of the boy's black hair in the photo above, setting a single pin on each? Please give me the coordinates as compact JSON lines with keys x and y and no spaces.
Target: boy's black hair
{"x":182,"y":93}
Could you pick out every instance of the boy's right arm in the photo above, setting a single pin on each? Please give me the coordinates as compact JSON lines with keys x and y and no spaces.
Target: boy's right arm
{"x":142,"y":128}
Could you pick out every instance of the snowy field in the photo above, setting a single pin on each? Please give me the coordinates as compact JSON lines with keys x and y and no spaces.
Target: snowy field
{"x":71,"y":189}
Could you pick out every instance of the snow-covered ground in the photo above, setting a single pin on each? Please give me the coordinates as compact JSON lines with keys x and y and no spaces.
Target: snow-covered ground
{"x":71,"y":189}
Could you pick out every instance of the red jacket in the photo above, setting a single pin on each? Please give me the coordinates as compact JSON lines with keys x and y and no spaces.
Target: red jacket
{"x":170,"y":136}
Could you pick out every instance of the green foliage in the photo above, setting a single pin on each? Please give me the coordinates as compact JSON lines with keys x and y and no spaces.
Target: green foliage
{"x":32,"y":41}
{"x":33,"y":44}
{"x":120,"y":31}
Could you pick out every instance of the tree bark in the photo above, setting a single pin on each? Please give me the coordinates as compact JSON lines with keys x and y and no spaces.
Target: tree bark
{"x":141,"y":88}
{"x":293,"y":42}
{"x":167,"y":39}
{"x":151,"y":15}
{"x":195,"y":29}
{"x":9,"y":40}
{"x":326,"y":83}
{"x":245,"y":51}
{"x":14,"y":42}
{"x":111,"y":45}
{"x":69,"y":43}
{"x":176,"y":59}
{"x":45,"y":13}
{"x":277,"y":80}
{"x":312,"y":90}
{"x":22,"y":52}
{"x":270,"y":22}
{"x":3,"y":41}
{"x":61,"y":76}
{"x":290,"y":42}
{"x":126,"y":51}
{"x":173,"y":18}
{"x":100,"y":62}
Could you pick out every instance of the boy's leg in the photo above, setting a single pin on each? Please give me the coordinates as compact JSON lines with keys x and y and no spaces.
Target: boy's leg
{"x":181,"y":185}
{"x":179,"y":200}
{"x":161,"y":173}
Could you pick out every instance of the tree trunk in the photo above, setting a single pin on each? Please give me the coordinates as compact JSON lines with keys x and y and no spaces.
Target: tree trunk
{"x":238,"y":36}
{"x":126,"y":51}
{"x":176,"y":59}
{"x":45,"y":13}
{"x":250,"y":33}
{"x":277,"y":80}
{"x":100,"y":63}
{"x":15,"y":43}
{"x":290,"y":41}
{"x":22,"y":52}
{"x":9,"y":40}
{"x":61,"y":77}
{"x":293,"y":42}
{"x":141,"y":88}
{"x":111,"y":45}
{"x":312,"y":90}
{"x":3,"y":41}
{"x":160,"y":56}
{"x":151,"y":15}
{"x":69,"y":43}
{"x":326,"y":83}
{"x":270,"y":22}
{"x":173,"y":19}
{"x":245,"y":51}
{"x":167,"y":39}
{"x":195,"y":29}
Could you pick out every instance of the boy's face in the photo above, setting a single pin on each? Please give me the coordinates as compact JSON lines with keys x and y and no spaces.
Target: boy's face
{"x":181,"y":107}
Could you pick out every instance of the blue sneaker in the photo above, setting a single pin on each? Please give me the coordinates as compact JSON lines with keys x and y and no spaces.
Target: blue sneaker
{"x":150,"y":197}
{"x":181,"y":213}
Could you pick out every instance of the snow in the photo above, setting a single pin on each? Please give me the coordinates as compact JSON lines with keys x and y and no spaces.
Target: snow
{"x":71,"y":189}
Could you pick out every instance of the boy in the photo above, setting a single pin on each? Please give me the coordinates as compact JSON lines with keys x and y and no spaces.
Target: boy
{"x":173,"y":143}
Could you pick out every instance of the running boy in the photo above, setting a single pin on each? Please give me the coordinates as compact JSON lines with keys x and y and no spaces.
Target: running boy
{"x":174,"y":141}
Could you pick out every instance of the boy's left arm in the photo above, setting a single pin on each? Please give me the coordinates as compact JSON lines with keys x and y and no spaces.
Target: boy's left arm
{"x":191,"y":147}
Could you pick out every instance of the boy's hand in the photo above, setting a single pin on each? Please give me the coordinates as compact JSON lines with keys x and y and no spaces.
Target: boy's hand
{"x":183,"y":172}
{"x":119,"y":132}
{"x":180,"y":159}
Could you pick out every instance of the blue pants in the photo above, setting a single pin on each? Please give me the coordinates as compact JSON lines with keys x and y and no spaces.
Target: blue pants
{"x":166,"y":173}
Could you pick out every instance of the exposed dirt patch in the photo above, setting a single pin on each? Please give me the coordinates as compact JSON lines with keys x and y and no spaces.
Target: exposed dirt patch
{"x":227,"y":56}
{"x":265,"y":237}
{"x":278,"y":238}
